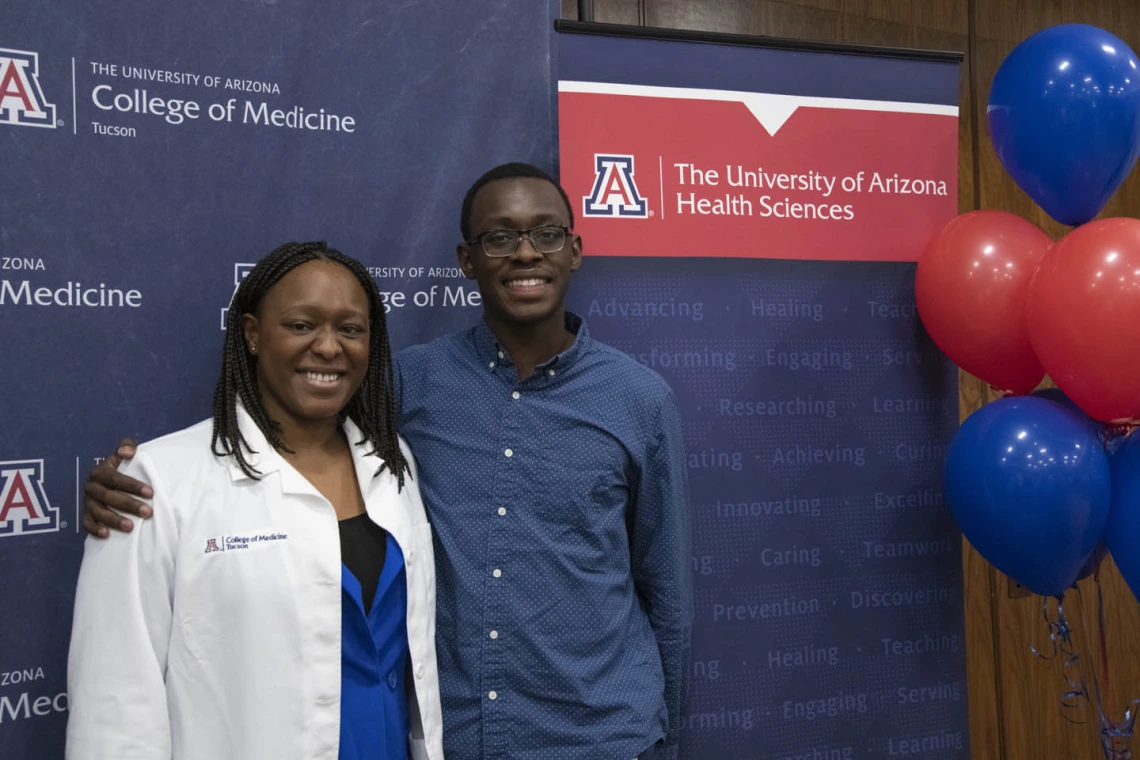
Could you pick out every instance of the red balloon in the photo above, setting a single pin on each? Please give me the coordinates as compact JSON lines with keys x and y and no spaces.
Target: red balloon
{"x":971,"y":288}
{"x":1084,"y":318}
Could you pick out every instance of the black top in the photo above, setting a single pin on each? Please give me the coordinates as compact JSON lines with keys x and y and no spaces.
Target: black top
{"x":363,"y":545}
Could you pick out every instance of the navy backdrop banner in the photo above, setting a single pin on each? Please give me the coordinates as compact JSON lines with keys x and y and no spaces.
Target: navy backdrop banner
{"x":753,"y":216}
{"x":151,"y":152}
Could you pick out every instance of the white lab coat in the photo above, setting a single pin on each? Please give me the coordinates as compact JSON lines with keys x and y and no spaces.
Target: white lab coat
{"x":212,"y":630}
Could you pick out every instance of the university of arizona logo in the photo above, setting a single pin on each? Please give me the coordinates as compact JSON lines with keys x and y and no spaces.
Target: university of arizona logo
{"x":615,"y":190}
{"x":24,"y":507}
{"x":22,"y":101}
{"x":241,"y":271}
{"x":212,"y":545}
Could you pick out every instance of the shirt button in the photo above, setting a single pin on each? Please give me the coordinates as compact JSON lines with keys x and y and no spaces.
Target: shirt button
{"x":492,"y":695}
{"x":491,"y":365}
{"x":494,"y":634}
{"x":550,"y":372}
{"x":392,"y":680}
{"x":420,"y":671}
{"x":408,"y":558}
{"x":500,"y":354}
{"x":509,"y":453}
{"x":515,"y":395}
{"x":498,"y":573}
{"x":502,"y":511}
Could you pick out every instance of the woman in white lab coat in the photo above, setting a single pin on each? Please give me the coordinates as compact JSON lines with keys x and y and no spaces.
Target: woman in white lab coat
{"x":280,"y":603}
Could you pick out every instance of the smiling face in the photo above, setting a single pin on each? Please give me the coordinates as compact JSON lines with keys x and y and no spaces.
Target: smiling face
{"x":525,"y":287}
{"x":311,"y":339}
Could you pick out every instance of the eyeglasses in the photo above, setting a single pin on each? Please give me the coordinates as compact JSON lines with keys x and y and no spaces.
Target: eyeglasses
{"x":549,"y":238}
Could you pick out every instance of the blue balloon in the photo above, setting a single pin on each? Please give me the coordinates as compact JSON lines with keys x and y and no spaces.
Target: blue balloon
{"x":1092,"y":564}
{"x":1123,"y":531}
{"x":1030,"y":487}
{"x":1057,"y":396}
{"x":1064,"y":116}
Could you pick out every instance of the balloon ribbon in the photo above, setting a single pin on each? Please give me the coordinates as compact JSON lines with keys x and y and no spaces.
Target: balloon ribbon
{"x":1115,"y":736}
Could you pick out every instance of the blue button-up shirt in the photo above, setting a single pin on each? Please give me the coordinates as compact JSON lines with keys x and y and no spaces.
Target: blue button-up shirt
{"x":560,"y":509}
{"x":374,"y":658}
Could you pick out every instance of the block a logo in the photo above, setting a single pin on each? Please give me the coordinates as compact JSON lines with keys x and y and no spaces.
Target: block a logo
{"x":241,"y":271}
{"x":24,"y":507}
{"x":615,"y":190}
{"x":22,"y":102}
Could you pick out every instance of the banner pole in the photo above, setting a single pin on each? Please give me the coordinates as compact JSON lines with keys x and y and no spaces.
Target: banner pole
{"x":585,"y":10}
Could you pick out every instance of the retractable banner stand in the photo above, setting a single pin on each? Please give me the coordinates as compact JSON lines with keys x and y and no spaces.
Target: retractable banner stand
{"x":151,"y":152}
{"x":751,"y":216}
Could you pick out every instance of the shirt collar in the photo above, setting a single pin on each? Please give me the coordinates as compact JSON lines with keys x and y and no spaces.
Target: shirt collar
{"x":494,"y":355}
{"x":265,"y":459}
{"x":260,"y":456}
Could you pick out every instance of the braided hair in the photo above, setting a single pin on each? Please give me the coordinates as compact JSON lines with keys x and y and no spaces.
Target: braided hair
{"x":372,"y":407}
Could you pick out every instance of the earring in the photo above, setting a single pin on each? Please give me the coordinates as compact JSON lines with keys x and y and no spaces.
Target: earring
{"x":253,"y":348}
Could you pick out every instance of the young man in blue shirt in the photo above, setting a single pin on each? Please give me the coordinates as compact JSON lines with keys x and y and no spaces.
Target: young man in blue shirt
{"x":553,"y":472}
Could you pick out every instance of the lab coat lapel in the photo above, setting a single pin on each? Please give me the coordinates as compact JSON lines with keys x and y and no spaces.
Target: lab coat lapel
{"x":385,"y":504}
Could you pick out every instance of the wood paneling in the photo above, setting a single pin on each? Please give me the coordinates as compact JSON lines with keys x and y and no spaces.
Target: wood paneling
{"x":833,"y":20}
{"x":606,"y":11}
{"x":709,"y":16}
{"x":1000,"y":26}
{"x":983,"y":652}
{"x":1032,"y":723}
{"x":1014,"y":697}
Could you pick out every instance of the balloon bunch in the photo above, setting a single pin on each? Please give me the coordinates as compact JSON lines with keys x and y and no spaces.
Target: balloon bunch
{"x":1043,"y":483}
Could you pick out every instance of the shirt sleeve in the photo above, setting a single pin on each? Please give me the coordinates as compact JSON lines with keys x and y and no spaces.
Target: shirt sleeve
{"x":116,"y":671}
{"x":660,"y":545}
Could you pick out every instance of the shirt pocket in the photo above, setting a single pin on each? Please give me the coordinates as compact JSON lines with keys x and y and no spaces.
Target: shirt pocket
{"x":585,"y":484}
